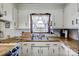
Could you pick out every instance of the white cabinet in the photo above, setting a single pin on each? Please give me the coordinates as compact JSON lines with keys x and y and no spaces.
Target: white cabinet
{"x":23,"y":19}
{"x":63,"y":51}
{"x":15,"y":18}
{"x":46,"y":49}
{"x":2,"y":25}
{"x":66,"y":51}
{"x":9,"y":14}
{"x":26,"y":49}
{"x":57,"y":19}
{"x":7,"y":9}
{"x":0,"y":7}
{"x":54,"y":49}
{"x":40,"y":50}
{"x":72,"y":53}
{"x":70,"y":16}
{"x":35,"y":50}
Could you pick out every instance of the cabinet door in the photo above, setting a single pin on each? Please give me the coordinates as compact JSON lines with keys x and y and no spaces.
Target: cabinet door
{"x":25,"y":50}
{"x":23,"y":19}
{"x":15,"y":21}
{"x":58,"y":19}
{"x":63,"y":51}
{"x":72,"y":53}
{"x":45,"y":51}
{"x":7,"y":9}
{"x":54,"y":50}
{"x":0,"y":7}
{"x":35,"y":51}
{"x":70,"y":16}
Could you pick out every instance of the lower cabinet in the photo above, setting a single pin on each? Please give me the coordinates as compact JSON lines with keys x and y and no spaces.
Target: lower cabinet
{"x":40,"y":50}
{"x":72,"y":53}
{"x":35,"y":51}
{"x":63,"y":51}
{"x":46,"y":49}
{"x":66,"y":51}
{"x":54,"y":49}
{"x":25,"y":49}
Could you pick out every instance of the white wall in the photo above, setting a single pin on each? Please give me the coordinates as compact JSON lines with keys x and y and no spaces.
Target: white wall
{"x":74,"y":34}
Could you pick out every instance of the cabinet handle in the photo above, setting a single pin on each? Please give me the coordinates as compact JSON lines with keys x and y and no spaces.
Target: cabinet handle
{"x":38,"y":51}
{"x":27,"y":50}
{"x":5,"y":13}
{"x":14,"y":23}
{"x":55,"y":44}
{"x":62,"y":47}
{"x":72,"y":22}
{"x":47,"y":44}
{"x":25,"y":44}
{"x":54,"y":24}
{"x":32,"y":44}
{"x":76,"y":21}
{"x":53,"y":50}
{"x":42,"y":51}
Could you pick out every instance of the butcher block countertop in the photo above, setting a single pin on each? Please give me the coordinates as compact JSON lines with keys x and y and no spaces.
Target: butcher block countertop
{"x":73,"y":44}
{"x":5,"y":48}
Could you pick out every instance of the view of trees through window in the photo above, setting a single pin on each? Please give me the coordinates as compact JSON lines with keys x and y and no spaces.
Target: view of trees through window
{"x":40,"y":23}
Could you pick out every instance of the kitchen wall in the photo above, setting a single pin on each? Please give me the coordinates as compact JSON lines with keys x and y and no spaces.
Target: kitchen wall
{"x":56,"y":11}
{"x":74,"y":34}
{"x":24,"y":11}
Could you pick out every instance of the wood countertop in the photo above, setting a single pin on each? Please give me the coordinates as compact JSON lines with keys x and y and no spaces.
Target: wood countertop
{"x":5,"y":48}
{"x":73,"y":44}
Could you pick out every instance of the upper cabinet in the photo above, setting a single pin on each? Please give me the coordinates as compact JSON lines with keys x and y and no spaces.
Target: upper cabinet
{"x":0,"y":8}
{"x":23,"y":19}
{"x":70,"y":16}
{"x":7,"y":12}
{"x":57,"y":19}
{"x":78,"y":14}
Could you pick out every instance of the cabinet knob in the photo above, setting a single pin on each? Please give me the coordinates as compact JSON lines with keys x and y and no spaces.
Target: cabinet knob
{"x":27,"y":50}
{"x":47,"y":44}
{"x":53,"y":50}
{"x":76,"y":21}
{"x":42,"y":51}
{"x":38,"y":51}
{"x":32,"y":44}
{"x":25,"y":44}
{"x":54,"y":24}
{"x":55,"y":44}
{"x":62,"y":47}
